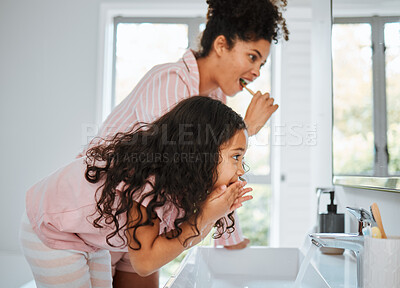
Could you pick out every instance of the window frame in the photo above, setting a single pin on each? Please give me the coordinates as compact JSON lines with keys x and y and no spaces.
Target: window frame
{"x":108,"y":11}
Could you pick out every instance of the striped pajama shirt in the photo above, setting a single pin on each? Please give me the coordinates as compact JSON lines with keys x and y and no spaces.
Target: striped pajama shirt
{"x":57,"y":235}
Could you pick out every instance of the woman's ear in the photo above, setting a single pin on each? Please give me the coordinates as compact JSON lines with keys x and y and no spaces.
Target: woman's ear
{"x":220,"y":45}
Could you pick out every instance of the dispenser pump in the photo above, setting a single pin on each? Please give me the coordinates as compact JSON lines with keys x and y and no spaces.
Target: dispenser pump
{"x":331,"y":222}
{"x":332,"y":208}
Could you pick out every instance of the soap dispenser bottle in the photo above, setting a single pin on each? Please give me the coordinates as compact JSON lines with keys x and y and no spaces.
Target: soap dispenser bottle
{"x":331,"y":222}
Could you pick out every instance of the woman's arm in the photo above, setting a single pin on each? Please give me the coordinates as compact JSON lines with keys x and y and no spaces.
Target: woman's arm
{"x":157,"y":250}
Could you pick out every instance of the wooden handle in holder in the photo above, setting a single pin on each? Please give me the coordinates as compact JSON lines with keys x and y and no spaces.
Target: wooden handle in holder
{"x":377,"y":216}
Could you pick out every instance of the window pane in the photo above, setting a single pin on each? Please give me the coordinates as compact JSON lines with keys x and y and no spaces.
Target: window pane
{"x":138,"y":49}
{"x":353,"y":139}
{"x":392,"y":54}
{"x":255,"y":217}
{"x":258,"y":155}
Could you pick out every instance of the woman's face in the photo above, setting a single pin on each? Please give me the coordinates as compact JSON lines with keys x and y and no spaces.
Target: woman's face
{"x":242,"y":61}
{"x":231,"y":156}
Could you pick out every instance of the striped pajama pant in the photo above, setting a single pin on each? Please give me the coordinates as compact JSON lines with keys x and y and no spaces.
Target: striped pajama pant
{"x":53,"y":268}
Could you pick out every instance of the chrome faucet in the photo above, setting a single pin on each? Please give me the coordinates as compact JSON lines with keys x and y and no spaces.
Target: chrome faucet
{"x":351,"y":241}
{"x":364,"y":218}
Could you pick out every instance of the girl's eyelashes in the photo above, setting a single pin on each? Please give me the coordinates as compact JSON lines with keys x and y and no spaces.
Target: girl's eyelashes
{"x":236,"y":157}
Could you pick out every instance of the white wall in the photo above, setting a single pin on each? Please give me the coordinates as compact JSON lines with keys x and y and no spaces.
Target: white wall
{"x":47,"y":88}
{"x":292,"y":131}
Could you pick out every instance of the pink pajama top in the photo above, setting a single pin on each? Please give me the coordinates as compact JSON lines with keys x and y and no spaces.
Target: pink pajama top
{"x":156,"y":93}
{"x":61,"y":209}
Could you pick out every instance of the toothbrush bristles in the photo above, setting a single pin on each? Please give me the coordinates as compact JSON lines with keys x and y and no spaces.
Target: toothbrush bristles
{"x":243,"y":83}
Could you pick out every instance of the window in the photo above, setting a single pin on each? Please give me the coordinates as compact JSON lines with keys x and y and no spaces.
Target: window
{"x":392,"y":72}
{"x":140,"y":44}
{"x":143,"y":43}
{"x":366,"y":96}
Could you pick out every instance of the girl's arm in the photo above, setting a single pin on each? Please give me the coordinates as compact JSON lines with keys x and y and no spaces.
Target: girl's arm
{"x":157,"y":250}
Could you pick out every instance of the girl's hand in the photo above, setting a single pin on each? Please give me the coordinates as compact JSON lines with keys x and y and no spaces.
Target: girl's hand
{"x":242,"y":198}
{"x":224,"y":200}
{"x":259,"y":111}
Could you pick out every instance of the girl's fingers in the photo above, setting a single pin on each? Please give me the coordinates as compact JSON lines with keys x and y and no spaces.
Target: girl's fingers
{"x":230,"y":193}
{"x":244,"y":191}
{"x":235,"y":188}
{"x":240,"y":199}
{"x":224,"y":199}
{"x":244,"y":199}
{"x":238,"y":190}
{"x":239,"y":202}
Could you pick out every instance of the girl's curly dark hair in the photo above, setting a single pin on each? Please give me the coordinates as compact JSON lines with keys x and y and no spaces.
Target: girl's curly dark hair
{"x":247,"y":20}
{"x":179,"y":152}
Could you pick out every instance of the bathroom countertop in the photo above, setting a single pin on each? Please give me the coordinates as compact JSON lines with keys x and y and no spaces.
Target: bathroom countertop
{"x":339,"y":271}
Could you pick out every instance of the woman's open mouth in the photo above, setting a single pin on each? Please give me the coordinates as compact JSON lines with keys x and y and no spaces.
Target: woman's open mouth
{"x":243,"y":82}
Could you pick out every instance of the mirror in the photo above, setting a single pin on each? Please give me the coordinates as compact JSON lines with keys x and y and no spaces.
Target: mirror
{"x":366,"y":93}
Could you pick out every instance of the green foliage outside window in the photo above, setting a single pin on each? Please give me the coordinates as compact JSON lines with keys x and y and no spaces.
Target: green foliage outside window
{"x":353,"y":100}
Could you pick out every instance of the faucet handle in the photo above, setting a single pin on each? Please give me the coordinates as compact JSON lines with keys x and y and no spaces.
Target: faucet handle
{"x":363,"y":216}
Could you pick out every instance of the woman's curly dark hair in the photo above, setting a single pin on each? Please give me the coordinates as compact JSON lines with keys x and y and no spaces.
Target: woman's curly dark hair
{"x":179,"y":152}
{"x":247,"y":20}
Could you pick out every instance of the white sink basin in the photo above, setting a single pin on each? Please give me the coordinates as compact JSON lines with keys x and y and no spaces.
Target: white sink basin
{"x":254,"y":267}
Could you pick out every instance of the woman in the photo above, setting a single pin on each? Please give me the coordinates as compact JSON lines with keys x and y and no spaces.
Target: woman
{"x":234,"y":46}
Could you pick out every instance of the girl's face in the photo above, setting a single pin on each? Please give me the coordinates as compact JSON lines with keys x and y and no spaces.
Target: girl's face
{"x":231,"y":165}
{"x":243,"y":60}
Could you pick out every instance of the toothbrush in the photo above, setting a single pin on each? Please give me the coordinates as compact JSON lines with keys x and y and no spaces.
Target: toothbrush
{"x":377,"y":217}
{"x":243,"y":83}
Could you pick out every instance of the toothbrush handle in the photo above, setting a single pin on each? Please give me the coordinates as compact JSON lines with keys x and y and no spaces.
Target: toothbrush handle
{"x":378,"y":219}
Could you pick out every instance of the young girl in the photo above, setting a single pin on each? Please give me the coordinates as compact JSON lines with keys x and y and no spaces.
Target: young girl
{"x":153,"y":193}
